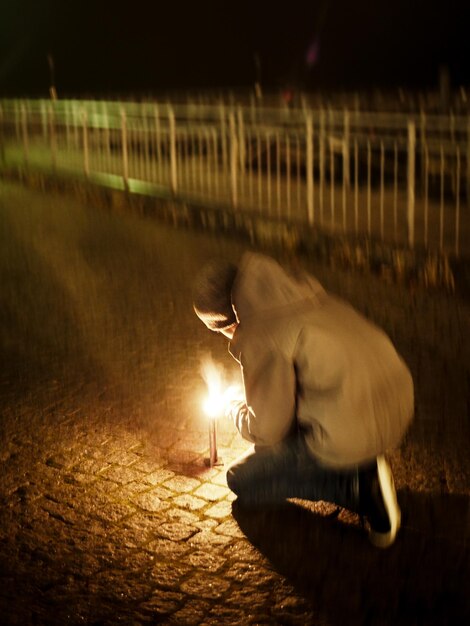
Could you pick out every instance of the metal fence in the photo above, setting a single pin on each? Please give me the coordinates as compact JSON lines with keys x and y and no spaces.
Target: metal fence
{"x":400,"y":178}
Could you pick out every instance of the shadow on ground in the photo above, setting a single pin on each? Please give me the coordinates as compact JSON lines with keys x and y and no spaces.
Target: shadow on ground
{"x":422,"y":579}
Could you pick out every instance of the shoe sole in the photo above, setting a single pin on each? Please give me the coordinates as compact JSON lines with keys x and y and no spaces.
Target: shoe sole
{"x":387,"y":487}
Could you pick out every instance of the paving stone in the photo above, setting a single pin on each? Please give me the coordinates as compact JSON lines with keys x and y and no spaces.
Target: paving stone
{"x":220,"y":479}
{"x":132,"y":537}
{"x":248,"y":598}
{"x":176,"y":531}
{"x":244,"y":573}
{"x":204,"y":586}
{"x":178,"y":458}
{"x":158,"y":477}
{"x":113,"y":512}
{"x":181,"y":484}
{"x":145,"y":522}
{"x":226,"y":615}
{"x":182,"y":515}
{"x":168,"y":549}
{"x":162,"y":492}
{"x":243,"y":551}
{"x":206,"y":524}
{"x":138,"y":487}
{"x":162,"y":602}
{"x":211,"y":492}
{"x":206,"y":561}
{"x":189,"y":502}
{"x":148,"y":466}
{"x":91,"y":466}
{"x":77,"y":478}
{"x":169,"y":575}
{"x":58,"y":461}
{"x":230,"y":528}
{"x":208,"y":539}
{"x":219,"y":510}
{"x":150,"y":502}
{"x":121,"y":475}
{"x":124,"y":458}
{"x":192,"y":613}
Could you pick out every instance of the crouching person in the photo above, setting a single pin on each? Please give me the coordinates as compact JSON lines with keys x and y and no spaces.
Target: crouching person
{"x":326,"y":394}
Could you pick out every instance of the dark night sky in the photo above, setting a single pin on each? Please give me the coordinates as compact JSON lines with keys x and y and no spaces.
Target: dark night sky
{"x":149,"y":46}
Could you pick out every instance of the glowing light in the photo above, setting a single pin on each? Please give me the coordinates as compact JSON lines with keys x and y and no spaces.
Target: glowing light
{"x":215,"y":401}
{"x":213,"y":404}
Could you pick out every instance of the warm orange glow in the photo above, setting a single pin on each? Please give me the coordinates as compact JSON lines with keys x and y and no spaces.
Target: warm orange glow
{"x":215,"y":400}
{"x":219,"y":396}
{"x":214,"y":404}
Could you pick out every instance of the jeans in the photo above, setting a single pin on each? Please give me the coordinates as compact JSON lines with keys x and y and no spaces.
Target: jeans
{"x":269,"y":475}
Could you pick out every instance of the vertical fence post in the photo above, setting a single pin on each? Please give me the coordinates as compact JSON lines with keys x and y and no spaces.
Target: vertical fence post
{"x":223,"y":136}
{"x":309,"y":140}
{"x":24,"y":133}
{"x":268,"y":168}
{"x":346,"y":164}
{"x":158,"y":141}
{"x":107,"y":137}
{"x":173,"y":164}
{"x":457,"y":205}
{"x":241,"y":140}
{"x":233,"y":160}
{"x":288,"y":185}
{"x":426,"y":193}
{"x":278,"y":173}
{"x":2,"y":137}
{"x":53,"y":138}
{"x":422,"y":138}
{"x":395,"y":190}
{"x":215,"y":167}
{"x":17,"y":121}
{"x":321,"y":162}
{"x":147,"y":173}
{"x":411,"y":183}
{"x":442,"y":198}
{"x":260,"y":169}
{"x":124,"y":147}
{"x":67,"y":127}
{"x":44,"y":121}
{"x":382,"y":177}
{"x":86,"y":156}
{"x":200,"y":153}
{"x":468,"y":162}
{"x":76,"y":126}
{"x":332,"y":184}
{"x":356,"y":186}
{"x":207,"y":140}
{"x":346,"y":134}
{"x":369,"y":187}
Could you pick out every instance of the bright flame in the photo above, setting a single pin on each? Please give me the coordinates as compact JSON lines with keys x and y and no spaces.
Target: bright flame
{"x":215,"y":401}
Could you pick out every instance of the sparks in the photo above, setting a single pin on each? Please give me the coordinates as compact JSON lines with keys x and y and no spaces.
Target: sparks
{"x":215,"y":401}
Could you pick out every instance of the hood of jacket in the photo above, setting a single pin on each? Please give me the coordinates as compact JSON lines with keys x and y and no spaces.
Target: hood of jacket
{"x":262,"y":286}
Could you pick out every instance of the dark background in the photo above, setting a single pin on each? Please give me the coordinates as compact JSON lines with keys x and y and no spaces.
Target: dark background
{"x":148,"y":46}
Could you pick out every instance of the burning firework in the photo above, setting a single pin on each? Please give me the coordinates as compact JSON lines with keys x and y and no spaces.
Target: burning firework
{"x":214,"y":404}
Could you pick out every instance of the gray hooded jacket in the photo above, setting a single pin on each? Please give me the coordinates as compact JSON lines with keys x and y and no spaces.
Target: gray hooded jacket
{"x":309,"y":360}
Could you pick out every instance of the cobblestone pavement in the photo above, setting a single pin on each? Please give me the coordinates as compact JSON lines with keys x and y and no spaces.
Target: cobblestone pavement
{"x":109,"y":514}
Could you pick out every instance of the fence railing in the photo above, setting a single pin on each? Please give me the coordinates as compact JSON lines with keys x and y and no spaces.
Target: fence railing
{"x":399,"y":178}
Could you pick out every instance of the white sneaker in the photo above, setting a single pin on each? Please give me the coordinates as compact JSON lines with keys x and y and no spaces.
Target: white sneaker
{"x":384,"y":515}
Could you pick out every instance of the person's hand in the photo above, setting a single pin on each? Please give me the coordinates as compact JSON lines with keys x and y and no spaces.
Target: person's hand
{"x":233,"y":397}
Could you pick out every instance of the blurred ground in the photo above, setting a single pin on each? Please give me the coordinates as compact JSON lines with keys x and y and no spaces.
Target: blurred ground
{"x":109,"y":514}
